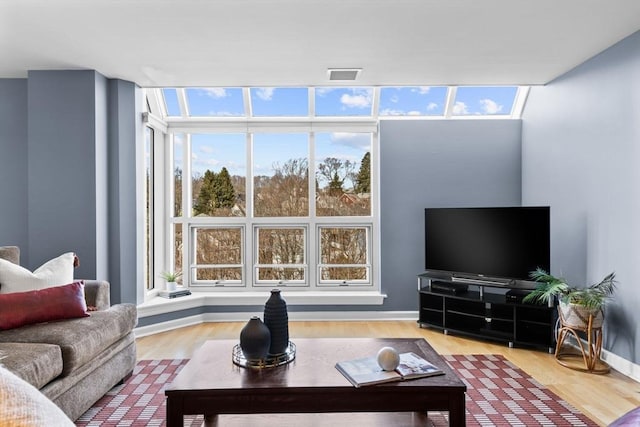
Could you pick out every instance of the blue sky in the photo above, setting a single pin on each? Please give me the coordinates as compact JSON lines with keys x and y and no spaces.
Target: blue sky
{"x":214,"y":151}
{"x":343,"y":101}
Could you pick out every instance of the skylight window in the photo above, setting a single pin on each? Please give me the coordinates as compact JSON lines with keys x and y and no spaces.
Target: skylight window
{"x":413,"y":101}
{"x":215,"y":101}
{"x":334,"y":102}
{"x":171,"y":102}
{"x":341,"y":103}
{"x":484,"y":100}
{"x":279,"y":102}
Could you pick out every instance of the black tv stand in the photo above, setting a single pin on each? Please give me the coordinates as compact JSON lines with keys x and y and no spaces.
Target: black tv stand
{"x":484,"y":310}
{"x":452,"y":288}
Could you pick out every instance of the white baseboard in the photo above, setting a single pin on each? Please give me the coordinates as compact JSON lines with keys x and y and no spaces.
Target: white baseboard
{"x":337,"y":316}
{"x":624,"y":366}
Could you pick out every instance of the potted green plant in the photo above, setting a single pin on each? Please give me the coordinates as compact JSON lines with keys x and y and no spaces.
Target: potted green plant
{"x":171,"y":277}
{"x":576,"y":304}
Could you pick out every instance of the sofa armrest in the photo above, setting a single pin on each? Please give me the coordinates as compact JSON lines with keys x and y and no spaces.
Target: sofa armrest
{"x":96,"y":293}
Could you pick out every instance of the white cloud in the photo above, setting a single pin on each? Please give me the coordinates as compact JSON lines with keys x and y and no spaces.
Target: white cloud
{"x":395,"y":99}
{"x":423,"y":90}
{"x":353,"y":140}
{"x":223,"y":114}
{"x":414,"y":113}
{"x":265,"y":93}
{"x":460,"y":108}
{"x":356,"y":100}
{"x":340,"y":136}
{"x":489,"y":106}
{"x":432,"y":106}
{"x":206,"y":149}
{"x":322,"y":91}
{"x":391,"y":112}
{"x":215,"y":92}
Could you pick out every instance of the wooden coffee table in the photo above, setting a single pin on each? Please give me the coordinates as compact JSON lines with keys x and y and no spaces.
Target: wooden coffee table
{"x":211,"y":384}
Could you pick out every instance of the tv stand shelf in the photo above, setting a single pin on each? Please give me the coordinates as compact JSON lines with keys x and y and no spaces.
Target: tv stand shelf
{"x":483,"y":311}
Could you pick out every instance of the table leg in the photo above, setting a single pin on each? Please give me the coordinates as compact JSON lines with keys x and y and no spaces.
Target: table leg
{"x":457,"y":412}
{"x":174,"y":414}
{"x":210,"y":420}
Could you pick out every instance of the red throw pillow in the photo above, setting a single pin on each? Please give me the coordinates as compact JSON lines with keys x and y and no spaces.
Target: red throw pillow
{"x":42,"y":305}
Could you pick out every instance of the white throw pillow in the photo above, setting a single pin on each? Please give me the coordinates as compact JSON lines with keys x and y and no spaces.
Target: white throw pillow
{"x":56,"y":272}
{"x":22,"y":405}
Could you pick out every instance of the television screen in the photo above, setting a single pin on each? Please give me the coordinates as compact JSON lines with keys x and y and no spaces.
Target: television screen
{"x":502,"y":242}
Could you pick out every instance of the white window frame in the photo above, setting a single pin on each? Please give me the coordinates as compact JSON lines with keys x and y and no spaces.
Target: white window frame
{"x":311,"y":222}
{"x":367,"y":265}
{"x":194,"y":266}
{"x":304,"y":265}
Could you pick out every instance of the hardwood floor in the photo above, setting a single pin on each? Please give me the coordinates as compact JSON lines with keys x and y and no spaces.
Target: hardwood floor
{"x":602,"y":397}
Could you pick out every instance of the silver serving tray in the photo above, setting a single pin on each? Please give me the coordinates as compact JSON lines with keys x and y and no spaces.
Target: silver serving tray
{"x":271,"y":361}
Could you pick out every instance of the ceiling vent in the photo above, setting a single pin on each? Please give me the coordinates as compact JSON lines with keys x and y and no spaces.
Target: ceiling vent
{"x":343,"y":74}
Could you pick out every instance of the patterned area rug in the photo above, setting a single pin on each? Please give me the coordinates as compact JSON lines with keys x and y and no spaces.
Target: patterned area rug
{"x":498,"y":394}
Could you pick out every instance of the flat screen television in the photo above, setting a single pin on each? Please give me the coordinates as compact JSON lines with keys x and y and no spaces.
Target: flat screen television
{"x":487,"y":243}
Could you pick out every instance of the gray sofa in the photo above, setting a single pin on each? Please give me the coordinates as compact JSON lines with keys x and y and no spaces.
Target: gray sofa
{"x":74,"y":362}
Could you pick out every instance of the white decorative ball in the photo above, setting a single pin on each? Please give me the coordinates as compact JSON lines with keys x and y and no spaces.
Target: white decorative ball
{"x":388,"y":358}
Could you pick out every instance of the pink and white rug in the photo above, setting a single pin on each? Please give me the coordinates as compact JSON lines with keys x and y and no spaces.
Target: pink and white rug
{"x":498,"y":394}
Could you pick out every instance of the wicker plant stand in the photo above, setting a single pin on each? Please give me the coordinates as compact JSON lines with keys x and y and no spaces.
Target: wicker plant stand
{"x":585,"y":358}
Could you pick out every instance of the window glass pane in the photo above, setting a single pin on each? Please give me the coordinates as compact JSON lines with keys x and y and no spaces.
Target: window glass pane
{"x":171,"y":102}
{"x":484,"y":100}
{"x":219,"y":254}
{"x":148,"y":213}
{"x":218,"y":165}
{"x":178,"y":144}
{"x":281,"y":254}
{"x":413,"y":101}
{"x":344,"y":254}
{"x":281,"y":174}
{"x":177,"y":251}
{"x":215,"y":101}
{"x":280,"y":101}
{"x":343,"y":167}
{"x":343,"y":101}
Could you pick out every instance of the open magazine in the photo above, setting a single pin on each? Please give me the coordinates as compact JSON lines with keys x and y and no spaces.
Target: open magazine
{"x":366,"y":371}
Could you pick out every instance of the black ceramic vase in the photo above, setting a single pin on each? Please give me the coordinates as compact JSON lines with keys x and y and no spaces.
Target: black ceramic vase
{"x":255,"y":339}
{"x":277,"y":320}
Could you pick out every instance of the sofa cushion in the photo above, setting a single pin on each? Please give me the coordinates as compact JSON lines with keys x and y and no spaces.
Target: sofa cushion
{"x":42,"y":305}
{"x":44,"y":361}
{"x":22,"y":405}
{"x":10,"y":253}
{"x":79,"y":339}
{"x":55,"y":272}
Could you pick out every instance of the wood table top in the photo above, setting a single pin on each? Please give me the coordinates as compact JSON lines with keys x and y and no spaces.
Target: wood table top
{"x":212,"y":367}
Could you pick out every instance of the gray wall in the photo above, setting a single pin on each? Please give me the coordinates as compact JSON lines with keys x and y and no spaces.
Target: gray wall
{"x":64,"y":163}
{"x":125,"y":108}
{"x":13,"y":163}
{"x":438,"y":163}
{"x":581,"y":156}
{"x":67,"y":158}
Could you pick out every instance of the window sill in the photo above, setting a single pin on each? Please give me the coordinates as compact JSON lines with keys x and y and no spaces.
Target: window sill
{"x":159,"y":305}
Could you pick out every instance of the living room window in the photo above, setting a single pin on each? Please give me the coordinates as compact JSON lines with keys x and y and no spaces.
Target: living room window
{"x":218,"y":256}
{"x":344,"y":255}
{"x":238,"y":227}
{"x":278,"y":186}
{"x":281,"y":255}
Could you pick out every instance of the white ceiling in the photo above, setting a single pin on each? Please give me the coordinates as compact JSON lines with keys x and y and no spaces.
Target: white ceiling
{"x":293,"y":42}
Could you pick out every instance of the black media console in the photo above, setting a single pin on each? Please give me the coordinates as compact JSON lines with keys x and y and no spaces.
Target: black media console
{"x":485,"y":310}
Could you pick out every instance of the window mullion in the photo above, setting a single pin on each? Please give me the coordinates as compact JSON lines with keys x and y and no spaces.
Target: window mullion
{"x":249,"y":235}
